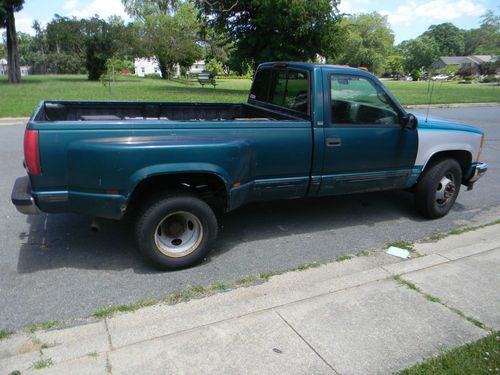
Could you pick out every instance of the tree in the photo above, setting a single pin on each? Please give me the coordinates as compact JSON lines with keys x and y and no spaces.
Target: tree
{"x":3,"y":49}
{"x":368,"y":41}
{"x":215,"y":66}
{"x":143,"y":8}
{"x":217,"y":45}
{"x":104,"y":40}
{"x":7,"y":20}
{"x":418,"y":53}
{"x":167,"y":30}
{"x":394,"y":65}
{"x":267,"y":30}
{"x":449,"y":39}
{"x":484,"y":40}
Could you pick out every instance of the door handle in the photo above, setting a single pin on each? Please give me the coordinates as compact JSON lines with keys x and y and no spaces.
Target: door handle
{"x":333,"y":142}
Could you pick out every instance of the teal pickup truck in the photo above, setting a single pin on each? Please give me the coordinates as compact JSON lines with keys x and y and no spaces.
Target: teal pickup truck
{"x":307,"y":130}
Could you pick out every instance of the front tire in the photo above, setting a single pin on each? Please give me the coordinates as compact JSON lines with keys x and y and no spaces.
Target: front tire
{"x":437,"y":191}
{"x":175,"y":230}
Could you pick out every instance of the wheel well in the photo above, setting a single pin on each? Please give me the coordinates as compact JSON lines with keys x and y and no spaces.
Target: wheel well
{"x":463,"y":157}
{"x":209,"y":187}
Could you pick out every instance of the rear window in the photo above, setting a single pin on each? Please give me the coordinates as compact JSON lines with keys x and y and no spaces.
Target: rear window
{"x":286,"y":88}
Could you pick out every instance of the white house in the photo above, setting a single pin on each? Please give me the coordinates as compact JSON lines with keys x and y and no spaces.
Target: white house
{"x":198,"y":67}
{"x":145,"y":66}
{"x":150,"y":65}
{"x":3,"y":67}
{"x":25,"y":70}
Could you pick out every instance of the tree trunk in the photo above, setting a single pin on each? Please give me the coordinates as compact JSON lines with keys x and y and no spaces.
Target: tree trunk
{"x":12,"y":55}
{"x":163,"y":69}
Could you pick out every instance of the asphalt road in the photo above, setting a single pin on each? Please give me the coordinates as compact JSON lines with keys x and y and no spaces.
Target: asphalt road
{"x":53,"y":267}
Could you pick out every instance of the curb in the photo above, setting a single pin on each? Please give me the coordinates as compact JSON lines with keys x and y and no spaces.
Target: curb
{"x":4,"y":121}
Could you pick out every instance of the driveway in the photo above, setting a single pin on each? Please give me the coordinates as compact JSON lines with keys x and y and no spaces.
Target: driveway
{"x":53,"y":267}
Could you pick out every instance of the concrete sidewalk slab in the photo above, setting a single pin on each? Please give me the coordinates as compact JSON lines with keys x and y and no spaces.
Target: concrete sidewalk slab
{"x":255,"y":344}
{"x":488,"y":236}
{"x":21,"y":362}
{"x":380,"y":327}
{"x":74,"y":342}
{"x":160,"y":320}
{"x":470,"y":284}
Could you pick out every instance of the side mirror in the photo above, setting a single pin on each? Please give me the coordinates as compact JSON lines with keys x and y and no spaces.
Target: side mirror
{"x":409,"y":122}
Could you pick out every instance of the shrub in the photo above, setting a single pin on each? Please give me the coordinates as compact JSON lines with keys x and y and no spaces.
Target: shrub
{"x":152,"y":76}
{"x":491,"y":78}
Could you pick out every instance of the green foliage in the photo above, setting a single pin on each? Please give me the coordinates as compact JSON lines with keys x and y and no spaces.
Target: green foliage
{"x":214,"y":67}
{"x":217,"y":46}
{"x":247,"y":69}
{"x":8,"y":8}
{"x":42,"y":363}
{"x":449,"y":70}
{"x":418,"y":53}
{"x":480,"y":357}
{"x":3,"y":49}
{"x":449,"y":39}
{"x":270,"y":30}
{"x":491,"y":78}
{"x":394,"y":65}
{"x":484,"y":40}
{"x":5,"y":334}
{"x":143,"y":8}
{"x":170,"y":37}
{"x":368,"y":41}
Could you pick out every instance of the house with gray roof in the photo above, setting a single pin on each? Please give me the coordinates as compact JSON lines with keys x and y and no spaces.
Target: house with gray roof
{"x":473,"y":62}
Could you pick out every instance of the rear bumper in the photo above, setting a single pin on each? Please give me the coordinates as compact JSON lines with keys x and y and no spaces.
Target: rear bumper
{"x":21,"y":197}
{"x":477,"y":171}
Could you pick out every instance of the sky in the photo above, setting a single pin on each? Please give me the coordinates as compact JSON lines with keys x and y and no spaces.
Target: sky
{"x":408,"y":18}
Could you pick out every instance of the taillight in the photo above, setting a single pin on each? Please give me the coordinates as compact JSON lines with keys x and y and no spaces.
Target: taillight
{"x":32,"y":152}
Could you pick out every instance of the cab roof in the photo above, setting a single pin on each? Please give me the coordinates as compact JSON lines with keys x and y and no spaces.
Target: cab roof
{"x":310,"y":66}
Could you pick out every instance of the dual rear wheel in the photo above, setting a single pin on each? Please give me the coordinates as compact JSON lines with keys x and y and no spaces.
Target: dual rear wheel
{"x":175,"y":230}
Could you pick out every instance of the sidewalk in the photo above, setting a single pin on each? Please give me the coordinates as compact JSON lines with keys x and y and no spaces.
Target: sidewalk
{"x":367,"y":315}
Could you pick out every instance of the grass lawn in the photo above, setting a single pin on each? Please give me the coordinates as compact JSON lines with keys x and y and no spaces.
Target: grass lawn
{"x":480,"y":357}
{"x":21,"y":100}
{"x":443,"y":93}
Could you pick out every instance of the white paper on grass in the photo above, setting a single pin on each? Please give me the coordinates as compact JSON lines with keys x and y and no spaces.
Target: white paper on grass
{"x":398,"y":252}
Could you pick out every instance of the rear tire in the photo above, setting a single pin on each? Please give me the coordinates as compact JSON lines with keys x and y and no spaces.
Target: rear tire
{"x":437,"y":191}
{"x":175,"y":230}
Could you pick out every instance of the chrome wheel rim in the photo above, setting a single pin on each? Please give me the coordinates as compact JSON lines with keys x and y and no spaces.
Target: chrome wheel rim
{"x":178,"y":234}
{"x":445,"y":190}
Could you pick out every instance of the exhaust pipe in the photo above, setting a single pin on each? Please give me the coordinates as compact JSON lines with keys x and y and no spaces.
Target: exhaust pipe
{"x":95,"y":225}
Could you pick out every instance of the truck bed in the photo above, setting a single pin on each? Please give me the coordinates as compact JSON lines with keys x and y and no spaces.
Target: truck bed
{"x":122,"y":111}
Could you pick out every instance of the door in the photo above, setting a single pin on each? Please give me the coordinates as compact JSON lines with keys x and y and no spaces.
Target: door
{"x":366,"y":149}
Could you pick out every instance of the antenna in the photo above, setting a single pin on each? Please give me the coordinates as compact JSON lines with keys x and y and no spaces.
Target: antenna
{"x":430,"y":100}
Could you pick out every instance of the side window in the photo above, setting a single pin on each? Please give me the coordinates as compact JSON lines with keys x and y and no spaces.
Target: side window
{"x":260,"y":87}
{"x":358,"y":101}
{"x":282,"y":87}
